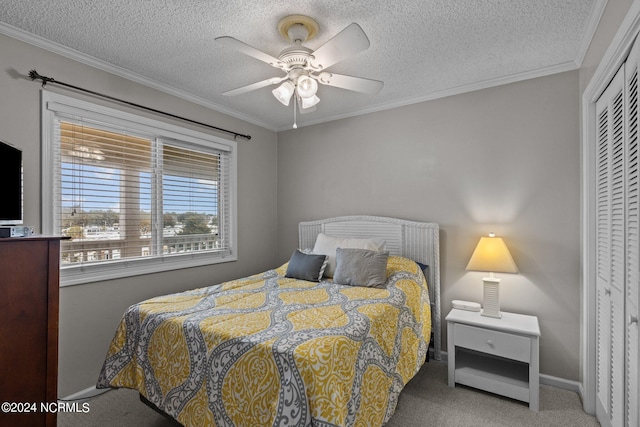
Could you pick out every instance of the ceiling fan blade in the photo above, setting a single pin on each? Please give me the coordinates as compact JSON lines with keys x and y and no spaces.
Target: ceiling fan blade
{"x":249,"y":50}
{"x":357,"y":84}
{"x":254,"y":86}
{"x":347,"y":42}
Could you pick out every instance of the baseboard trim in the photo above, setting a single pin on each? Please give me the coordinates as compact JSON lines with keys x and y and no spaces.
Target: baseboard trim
{"x":560,"y":383}
{"x":87,"y":393}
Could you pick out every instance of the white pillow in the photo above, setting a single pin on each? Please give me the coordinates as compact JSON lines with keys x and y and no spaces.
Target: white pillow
{"x":327,"y":245}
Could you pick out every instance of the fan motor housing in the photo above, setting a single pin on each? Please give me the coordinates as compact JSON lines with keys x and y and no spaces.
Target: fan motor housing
{"x":295,"y":56}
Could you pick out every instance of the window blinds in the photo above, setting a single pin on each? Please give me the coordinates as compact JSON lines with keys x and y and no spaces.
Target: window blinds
{"x":124,"y":195}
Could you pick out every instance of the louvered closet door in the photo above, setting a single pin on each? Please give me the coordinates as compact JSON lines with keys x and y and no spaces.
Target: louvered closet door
{"x":632,"y":400}
{"x":610,"y":252}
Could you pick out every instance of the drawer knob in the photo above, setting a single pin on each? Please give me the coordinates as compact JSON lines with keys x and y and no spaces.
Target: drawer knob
{"x":490,"y":343}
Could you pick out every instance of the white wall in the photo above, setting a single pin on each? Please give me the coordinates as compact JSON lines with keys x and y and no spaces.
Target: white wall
{"x":505,"y":159}
{"x":90,"y":313}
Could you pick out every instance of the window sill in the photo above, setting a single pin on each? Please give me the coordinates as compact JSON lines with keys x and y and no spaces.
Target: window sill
{"x":89,"y":273}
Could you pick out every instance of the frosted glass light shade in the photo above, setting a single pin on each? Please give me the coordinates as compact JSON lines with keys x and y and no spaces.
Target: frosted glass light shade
{"x":309,"y":102}
{"x":491,"y":254}
{"x":307,"y":87}
{"x":284,"y":92}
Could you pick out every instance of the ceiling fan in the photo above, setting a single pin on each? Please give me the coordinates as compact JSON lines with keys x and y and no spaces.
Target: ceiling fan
{"x":305,"y":68}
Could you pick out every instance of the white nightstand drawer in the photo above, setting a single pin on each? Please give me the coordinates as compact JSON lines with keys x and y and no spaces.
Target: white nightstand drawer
{"x":511,"y":346}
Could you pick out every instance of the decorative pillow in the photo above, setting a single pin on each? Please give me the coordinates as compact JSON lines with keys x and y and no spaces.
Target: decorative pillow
{"x":361,"y":267}
{"x":327,"y":245}
{"x":308,"y":267}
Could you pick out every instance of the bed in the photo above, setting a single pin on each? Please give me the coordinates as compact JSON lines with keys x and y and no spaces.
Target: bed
{"x":273,"y":349}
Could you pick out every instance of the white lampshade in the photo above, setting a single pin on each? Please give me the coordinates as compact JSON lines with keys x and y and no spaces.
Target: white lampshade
{"x":309,"y":102}
{"x":284,"y":92}
{"x":491,"y":255}
{"x":307,"y":87}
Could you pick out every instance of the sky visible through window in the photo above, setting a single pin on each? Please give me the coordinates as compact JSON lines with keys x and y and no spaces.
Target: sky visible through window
{"x":97,"y":188}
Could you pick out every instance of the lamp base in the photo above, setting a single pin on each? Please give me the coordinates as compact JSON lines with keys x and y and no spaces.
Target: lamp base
{"x":491,"y":297}
{"x":495,"y":316}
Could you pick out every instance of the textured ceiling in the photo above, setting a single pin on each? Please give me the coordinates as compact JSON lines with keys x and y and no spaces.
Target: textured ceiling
{"x":420,"y":49}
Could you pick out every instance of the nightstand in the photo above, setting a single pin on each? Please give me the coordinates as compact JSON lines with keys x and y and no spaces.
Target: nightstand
{"x":496,"y":355}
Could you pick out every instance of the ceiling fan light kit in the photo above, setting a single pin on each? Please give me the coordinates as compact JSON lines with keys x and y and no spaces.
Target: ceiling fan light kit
{"x":307,"y":87}
{"x":304,"y":67}
{"x":284,"y":92}
{"x":309,"y":102}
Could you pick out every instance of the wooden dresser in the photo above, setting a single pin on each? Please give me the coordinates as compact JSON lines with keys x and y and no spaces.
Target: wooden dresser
{"x":29,"y":289}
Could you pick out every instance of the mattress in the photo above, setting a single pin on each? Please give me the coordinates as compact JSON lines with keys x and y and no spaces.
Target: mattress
{"x":266,"y":350}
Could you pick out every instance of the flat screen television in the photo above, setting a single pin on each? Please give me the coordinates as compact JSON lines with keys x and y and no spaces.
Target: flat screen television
{"x":10,"y":185}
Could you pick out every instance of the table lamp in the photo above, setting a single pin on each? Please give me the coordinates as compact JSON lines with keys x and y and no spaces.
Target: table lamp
{"x":491,"y":255}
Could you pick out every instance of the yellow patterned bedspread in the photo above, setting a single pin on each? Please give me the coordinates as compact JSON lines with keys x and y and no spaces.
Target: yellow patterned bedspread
{"x":271,"y":351}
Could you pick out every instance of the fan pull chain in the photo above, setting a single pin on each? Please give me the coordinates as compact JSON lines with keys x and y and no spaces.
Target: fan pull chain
{"x":295,"y":126}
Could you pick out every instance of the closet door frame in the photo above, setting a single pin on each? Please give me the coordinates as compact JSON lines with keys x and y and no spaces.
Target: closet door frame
{"x":611,"y":62}
{"x":632,"y":237}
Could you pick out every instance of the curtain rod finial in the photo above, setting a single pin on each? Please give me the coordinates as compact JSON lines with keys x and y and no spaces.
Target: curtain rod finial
{"x":33,"y":74}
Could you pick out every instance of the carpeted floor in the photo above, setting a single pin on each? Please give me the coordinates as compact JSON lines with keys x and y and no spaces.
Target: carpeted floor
{"x":425,"y":401}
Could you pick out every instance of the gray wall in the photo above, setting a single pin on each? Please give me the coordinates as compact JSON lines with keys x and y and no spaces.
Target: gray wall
{"x":610,"y":21}
{"x":504,"y":159}
{"x":90,"y":313}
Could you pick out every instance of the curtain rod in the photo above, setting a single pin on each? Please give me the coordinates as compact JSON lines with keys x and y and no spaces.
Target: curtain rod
{"x":33,"y":74}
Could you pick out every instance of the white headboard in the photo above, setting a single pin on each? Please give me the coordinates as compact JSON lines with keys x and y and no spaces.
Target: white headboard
{"x":419,"y":241}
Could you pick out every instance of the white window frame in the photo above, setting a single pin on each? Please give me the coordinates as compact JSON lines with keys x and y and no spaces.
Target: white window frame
{"x":54,"y":104}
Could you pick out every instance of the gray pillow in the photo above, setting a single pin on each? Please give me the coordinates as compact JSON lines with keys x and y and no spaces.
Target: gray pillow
{"x":361,"y":267}
{"x":308,"y":267}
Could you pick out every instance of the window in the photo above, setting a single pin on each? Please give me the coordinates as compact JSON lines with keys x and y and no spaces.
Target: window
{"x":135,"y":195}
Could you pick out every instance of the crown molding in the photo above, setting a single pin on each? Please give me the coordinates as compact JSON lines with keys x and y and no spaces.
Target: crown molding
{"x":99,"y":64}
{"x":457,"y":90}
{"x":129,"y":75}
{"x":590,"y":30}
